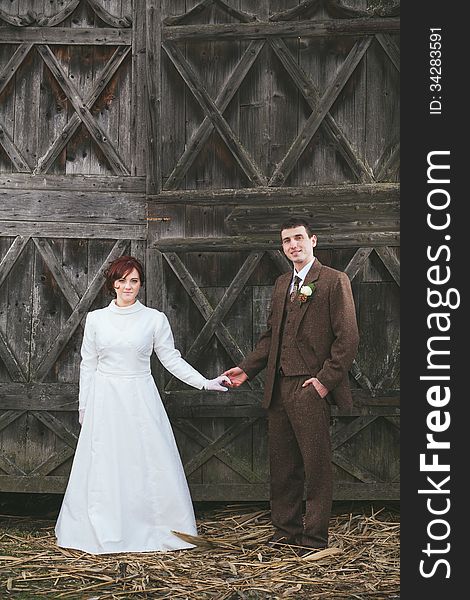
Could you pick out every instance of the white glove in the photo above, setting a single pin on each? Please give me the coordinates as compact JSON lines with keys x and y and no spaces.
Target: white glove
{"x":215,"y":385}
{"x":81,"y":415}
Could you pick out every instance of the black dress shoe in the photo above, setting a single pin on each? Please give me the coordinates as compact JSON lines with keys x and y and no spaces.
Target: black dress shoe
{"x":280,"y":539}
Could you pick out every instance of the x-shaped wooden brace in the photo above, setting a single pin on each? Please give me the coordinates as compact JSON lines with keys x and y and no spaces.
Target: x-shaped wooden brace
{"x":347,"y":432}
{"x":51,"y":463}
{"x":213,"y":109}
{"x":320,"y":108}
{"x":6,"y":464}
{"x":214,"y":317}
{"x":82,"y":108}
{"x":217,"y":448}
{"x":46,"y":161}
{"x":356,"y":263}
{"x":79,"y":304}
{"x":200,"y":137}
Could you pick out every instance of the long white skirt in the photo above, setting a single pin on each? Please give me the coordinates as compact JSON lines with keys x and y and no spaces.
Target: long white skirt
{"x":127,"y":490}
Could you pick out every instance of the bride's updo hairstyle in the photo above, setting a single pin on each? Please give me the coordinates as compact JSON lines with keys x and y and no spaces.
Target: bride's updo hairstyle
{"x":120,"y":268}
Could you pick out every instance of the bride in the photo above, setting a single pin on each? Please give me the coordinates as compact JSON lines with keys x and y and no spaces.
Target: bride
{"x":127,"y":489}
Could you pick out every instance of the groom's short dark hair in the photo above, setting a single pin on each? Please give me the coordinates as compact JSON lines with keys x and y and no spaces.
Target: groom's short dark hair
{"x":297,"y":222}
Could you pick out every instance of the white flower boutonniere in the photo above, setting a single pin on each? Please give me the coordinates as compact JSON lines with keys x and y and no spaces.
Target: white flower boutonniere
{"x":306,"y":292}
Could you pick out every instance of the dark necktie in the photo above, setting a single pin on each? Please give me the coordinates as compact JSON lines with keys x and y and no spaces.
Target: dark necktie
{"x":295,"y":289}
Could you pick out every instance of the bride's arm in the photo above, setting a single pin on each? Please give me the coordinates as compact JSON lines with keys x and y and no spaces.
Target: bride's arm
{"x":88,"y":365}
{"x":170,"y":357}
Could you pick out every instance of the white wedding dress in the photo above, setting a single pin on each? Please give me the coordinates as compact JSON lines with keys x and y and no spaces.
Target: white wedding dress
{"x":127,"y":489}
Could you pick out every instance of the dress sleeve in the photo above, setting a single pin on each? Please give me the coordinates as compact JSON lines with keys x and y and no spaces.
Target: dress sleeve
{"x":170,"y":357}
{"x":88,"y":364}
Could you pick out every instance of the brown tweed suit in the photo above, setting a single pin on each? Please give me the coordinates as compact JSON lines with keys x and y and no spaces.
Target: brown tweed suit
{"x":323,"y":332}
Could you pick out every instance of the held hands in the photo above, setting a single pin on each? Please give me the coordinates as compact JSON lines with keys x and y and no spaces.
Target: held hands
{"x":215,"y":385}
{"x":237,"y":376}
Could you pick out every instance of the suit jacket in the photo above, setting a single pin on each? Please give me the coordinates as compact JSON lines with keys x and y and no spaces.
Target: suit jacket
{"x":326,"y":334}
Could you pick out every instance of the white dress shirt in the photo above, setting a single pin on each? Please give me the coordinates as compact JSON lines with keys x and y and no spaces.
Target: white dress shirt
{"x":302,"y":274}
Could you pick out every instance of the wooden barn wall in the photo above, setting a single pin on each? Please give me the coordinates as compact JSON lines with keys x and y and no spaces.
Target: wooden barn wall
{"x":185,"y":132}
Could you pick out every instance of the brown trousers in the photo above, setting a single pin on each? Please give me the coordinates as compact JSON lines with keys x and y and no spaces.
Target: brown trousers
{"x":300,"y":458}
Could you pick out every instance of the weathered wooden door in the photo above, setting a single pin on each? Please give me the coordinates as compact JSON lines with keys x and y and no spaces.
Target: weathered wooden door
{"x":185,"y":132}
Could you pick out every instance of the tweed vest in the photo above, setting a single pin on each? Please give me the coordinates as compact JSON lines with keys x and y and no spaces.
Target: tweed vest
{"x":289,"y":357}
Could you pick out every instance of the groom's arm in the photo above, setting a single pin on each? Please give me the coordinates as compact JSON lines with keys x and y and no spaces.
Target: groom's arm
{"x":345,"y":331}
{"x":257,"y":359}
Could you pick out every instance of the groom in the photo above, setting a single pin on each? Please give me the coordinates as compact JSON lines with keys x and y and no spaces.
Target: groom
{"x":308,"y":348}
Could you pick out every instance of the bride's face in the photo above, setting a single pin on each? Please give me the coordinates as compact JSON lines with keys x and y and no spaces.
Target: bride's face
{"x":127,"y":288}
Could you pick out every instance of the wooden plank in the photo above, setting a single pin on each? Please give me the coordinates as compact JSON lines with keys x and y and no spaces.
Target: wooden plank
{"x":44,"y":310}
{"x":357,"y":262}
{"x":213,"y":492}
{"x":269,"y":196}
{"x":89,"y":207}
{"x":11,"y":256}
{"x":37,"y":396}
{"x":391,"y":48}
{"x":50,"y":464}
{"x":138,"y":123}
{"x":153,"y":82}
{"x":9,"y":467}
{"x":329,"y":217}
{"x":390,"y":261}
{"x":9,"y":70}
{"x":266,"y":242}
{"x":209,"y":107}
{"x":73,"y":263}
{"x":386,"y":168}
{"x":57,"y":427}
{"x":49,"y":257}
{"x":380,"y":332}
{"x":360,"y":473}
{"x":347,"y":431}
{"x":280,"y":260}
{"x":73,"y":230}
{"x":19,"y":316}
{"x":258,"y":30}
{"x":382,"y":114}
{"x":66,"y":36}
{"x":9,"y":417}
{"x":18,"y":159}
{"x":73,"y":183}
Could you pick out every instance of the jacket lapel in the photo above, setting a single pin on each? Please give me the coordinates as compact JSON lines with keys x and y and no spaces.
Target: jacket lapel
{"x":312,"y":276}
{"x":279,"y":299}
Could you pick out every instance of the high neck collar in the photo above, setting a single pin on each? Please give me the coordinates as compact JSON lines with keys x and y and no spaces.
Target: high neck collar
{"x":125,"y":310}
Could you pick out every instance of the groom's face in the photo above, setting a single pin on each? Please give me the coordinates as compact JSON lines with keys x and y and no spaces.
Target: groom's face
{"x":297,"y":246}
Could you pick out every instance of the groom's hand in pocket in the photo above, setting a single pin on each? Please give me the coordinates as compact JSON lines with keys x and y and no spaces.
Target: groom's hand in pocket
{"x":236,"y":375}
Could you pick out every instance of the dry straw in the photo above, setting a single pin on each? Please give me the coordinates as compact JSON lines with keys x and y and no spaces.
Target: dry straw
{"x":231,"y":562}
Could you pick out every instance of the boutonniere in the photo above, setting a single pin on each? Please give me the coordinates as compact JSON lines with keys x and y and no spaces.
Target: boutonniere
{"x":306,"y":292}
